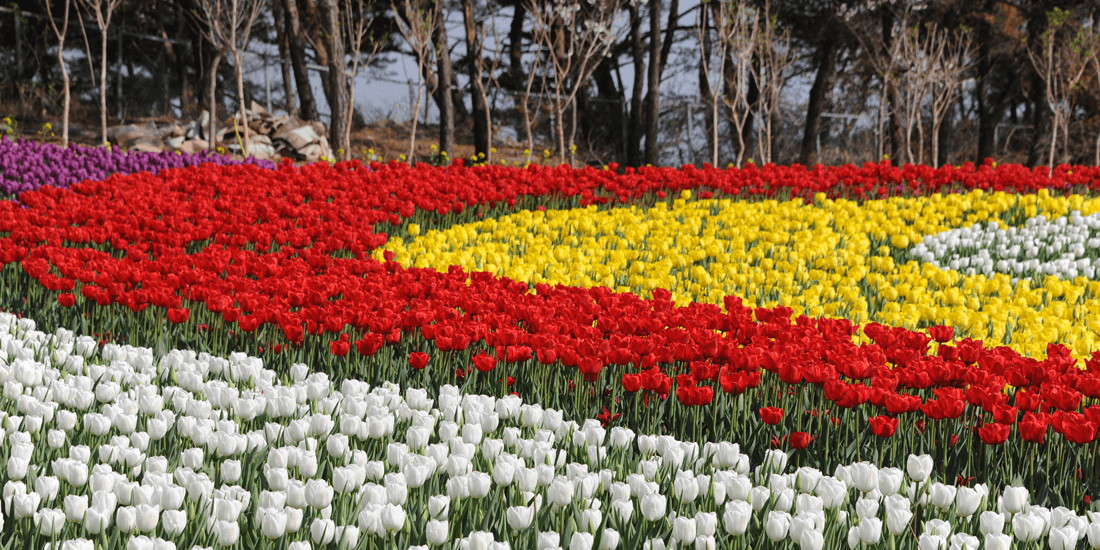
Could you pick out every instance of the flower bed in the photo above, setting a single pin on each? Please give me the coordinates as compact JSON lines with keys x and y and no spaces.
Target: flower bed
{"x":303,"y":266}
{"x":28,"y":165}
{"x":116,"y":446}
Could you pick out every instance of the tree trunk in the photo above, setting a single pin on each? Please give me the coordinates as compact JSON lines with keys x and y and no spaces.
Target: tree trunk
{"x":284,"y":53}
{"x":653,"y":94}
{"x":242,"y":128}
{"x":826,"y":63}
{"x":986,"y":123}
{"x":606,"y":89}
{"x":308,"y":109}
{"x":752,"y":98}
{"x":212,"y":128}
{"x":706,"y":93}
{"x":482,"y":127}
{"x":634,"y":133}
{"x":103,"y":85}
{"x":337,"y":79}
{"x":446,"y":84}
{"x":515,"y":47}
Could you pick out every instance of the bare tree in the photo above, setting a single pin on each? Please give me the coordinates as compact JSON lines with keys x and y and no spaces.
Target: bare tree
{"x":475,"y":46}
{"x":1096,"y":64}
{"x":1061,"y":63}
{"x":575,"y":37}
{"x":102,"y":10}
{"x":737,"y":26}
{"x":229,"y":23}
{"x":294,"y":34}
{"x":949,"y":60}
{"x":710,"y":80}
{"x":445,"y":82}
{"x":416,"y":23}
{"x":356,"y":22}
{"x":61,"y":63}
{"x":776,"y":56}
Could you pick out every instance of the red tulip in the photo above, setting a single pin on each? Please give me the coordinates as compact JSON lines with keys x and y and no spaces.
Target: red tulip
{"x":941,"y":333}
{"x":178,"y":316}
{"x":1034,"y":426}
{"x":884,"y":426}
{"x":369,"y":344}
{"x":418,"y":360}
{"x":771,"y":415}
{"x":1003,"y":414}
{"x":632,"y":382}
{"x":994,"y":434}
{"x":340,"y":347}
{"x":800,"y":440}
{"x":66,"y":300}
{"x":484,"y":362}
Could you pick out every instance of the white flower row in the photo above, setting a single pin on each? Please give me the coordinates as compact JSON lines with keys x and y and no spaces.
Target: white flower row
{"x":114,"y":443}
{"x":1065,"y":247}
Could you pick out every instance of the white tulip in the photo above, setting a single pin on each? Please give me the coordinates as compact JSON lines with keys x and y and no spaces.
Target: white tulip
{"x":581,"y":541}
{"x":870,"y":530}
{"x":548,"y":541}
{"x":653,"y":507}
{"x":520,"y":517}
{"x":1015,"y":499}
{"x":777,"y":525}
{"x":864,"y":476}
{"x":736,"y":517}
{"x":919,"y":467}
{"x":437,"y":532}
{"x":1027,"y":527}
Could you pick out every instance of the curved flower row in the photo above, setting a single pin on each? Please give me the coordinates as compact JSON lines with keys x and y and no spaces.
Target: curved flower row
{"x":233,"y":258}
{"x":134,"y":450}
{"x":834,"y":258}
{"x":27,"y":165}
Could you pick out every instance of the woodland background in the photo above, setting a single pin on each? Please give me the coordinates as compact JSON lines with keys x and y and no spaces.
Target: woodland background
{"x":633,"y":82}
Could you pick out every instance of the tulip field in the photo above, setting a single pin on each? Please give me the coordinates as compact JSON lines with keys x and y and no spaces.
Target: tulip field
{"x":201,"y":353}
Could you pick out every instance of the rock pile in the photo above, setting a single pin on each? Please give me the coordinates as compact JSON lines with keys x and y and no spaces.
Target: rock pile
{"x":271,"y":137}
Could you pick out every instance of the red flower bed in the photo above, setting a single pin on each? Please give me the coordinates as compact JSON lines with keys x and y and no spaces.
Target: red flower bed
{"x":288,"y":250}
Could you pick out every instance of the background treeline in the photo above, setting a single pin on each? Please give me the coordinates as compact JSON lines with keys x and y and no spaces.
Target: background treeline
{"x":636,"y":82}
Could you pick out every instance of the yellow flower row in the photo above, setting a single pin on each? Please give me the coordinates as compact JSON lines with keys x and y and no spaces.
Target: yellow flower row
{"x":833,"y":258}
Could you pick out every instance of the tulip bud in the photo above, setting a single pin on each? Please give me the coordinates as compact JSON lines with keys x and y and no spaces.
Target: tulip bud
{"x":393,"y":518}
{"x":1092,"y":531}
{"x":919,"y":467}
{"x":561,"y":492}
{"x":811,"y":539}
{"x":736,"y":517}
{"x":581,"y":541}
{"x":437,"y":532}
{"x":548,"y":541}
{"x":777,"y":525}
{"x":520,"y":517}
{"x":991,"y":522}
{"x":49,"y":521}
{"x":653,"y":507}
{"x":439,"y":506}
{"x":897,"y":520}
{"x":1015,"y":499}
{"x":322,"y":531}
{"x":864,"y":476}
{"x":999,"y":541}
{"x":273,"y":525}
{"x":931,"y":542}
{"x":870,"y":530}
{"x":75,"y":507}
{"x":1027,"y":528}
{"x":173,"y":521}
